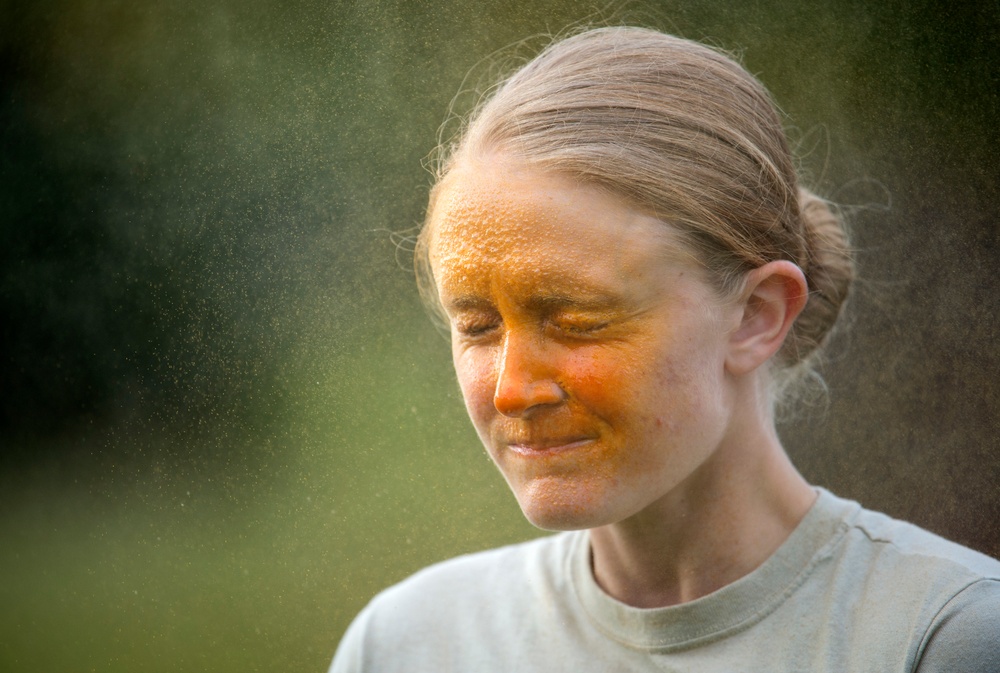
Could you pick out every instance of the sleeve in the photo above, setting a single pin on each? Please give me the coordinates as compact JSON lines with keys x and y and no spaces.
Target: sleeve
{"x":350,"y":655}
{"x":965,"y":635}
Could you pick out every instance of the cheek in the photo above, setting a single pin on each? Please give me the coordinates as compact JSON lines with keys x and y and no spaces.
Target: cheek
{"x":477,"y":379}
{"x":643,"y":392}
{"x":594,"y":379}
{"x":613,"y":381}
{"x":619,"y":391}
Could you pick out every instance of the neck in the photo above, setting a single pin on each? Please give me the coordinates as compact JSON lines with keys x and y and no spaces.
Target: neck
{"x":724,"y":521}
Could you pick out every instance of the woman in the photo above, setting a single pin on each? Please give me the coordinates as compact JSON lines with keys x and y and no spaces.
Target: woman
{"x":632,"y":276}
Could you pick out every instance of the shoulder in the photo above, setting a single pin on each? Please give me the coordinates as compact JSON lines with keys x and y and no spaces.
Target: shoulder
{"x":965,"y":635}
{"x":467,"y":599}
{"x":939,"y":598}
{"x":887,"y":545}
{"x":472,"y":577}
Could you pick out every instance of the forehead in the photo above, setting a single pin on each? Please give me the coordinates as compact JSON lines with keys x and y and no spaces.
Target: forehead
{"x":494,"y":216}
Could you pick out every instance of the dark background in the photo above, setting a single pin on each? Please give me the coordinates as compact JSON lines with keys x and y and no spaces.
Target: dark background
{"x":226,"y":422}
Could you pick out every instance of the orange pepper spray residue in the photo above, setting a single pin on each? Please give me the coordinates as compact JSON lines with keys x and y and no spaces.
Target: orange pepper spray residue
{"x":587,"y":347}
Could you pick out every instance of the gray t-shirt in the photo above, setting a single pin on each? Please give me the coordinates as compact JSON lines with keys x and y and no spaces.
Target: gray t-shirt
{"x":849,"y":590}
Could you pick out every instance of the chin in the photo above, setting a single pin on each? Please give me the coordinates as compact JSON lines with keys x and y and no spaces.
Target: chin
{"x":556,"y":507}
{"x":556,"y":521}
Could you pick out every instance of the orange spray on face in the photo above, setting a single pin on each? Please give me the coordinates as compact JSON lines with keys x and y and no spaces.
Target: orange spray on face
{"x":589,"y":348}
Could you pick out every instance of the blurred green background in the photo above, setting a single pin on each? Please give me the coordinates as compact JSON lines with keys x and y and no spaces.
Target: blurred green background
{"x":227,"y":422}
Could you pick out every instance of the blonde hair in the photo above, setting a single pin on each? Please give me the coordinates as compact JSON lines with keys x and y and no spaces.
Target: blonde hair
{"x":680,"y":131}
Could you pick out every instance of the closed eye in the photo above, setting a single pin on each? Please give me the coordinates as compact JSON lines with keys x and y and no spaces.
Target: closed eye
{"x":580,"y":328}
{"x":472,"y":327}
{"x":475,"y":330}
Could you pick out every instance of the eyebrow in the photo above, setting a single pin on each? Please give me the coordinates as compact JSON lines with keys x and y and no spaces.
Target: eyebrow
{"x":467,"y":302}
{"x":539,"y":302}
{"x":587,"y":301}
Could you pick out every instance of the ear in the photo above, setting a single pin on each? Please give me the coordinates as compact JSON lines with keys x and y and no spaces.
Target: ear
{"x":774,"y":296}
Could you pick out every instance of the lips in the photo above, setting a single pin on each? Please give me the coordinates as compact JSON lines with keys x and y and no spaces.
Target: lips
{"x":549,"y":445}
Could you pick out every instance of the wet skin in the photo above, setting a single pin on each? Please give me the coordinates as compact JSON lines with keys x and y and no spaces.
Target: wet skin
{"x":590,"y":350}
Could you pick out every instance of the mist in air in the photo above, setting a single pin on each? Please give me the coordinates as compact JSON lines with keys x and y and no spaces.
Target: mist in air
{"x":227,"y":422}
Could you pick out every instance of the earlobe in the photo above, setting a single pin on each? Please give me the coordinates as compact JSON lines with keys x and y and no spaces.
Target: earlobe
{"x":775,"y":294}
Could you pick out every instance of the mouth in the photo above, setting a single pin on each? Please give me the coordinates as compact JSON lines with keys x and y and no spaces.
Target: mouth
{"x":549,"y":446}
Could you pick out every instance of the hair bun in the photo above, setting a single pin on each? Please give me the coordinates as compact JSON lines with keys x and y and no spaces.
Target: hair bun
{"x":829,"y":270}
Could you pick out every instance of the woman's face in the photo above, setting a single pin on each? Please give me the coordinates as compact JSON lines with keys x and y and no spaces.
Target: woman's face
{"x":589,"y":348}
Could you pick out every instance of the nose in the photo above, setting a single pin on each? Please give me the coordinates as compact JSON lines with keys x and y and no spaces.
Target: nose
{"x":524,"y":378}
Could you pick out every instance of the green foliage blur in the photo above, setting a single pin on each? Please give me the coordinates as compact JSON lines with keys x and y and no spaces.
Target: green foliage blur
{"x":227,"y":422}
